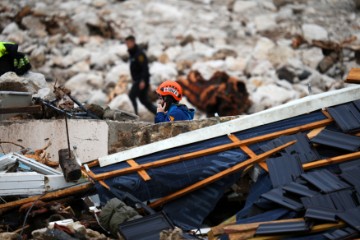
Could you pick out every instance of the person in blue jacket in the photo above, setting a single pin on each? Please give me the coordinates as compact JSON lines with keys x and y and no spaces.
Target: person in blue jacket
{"x":169,"y":109}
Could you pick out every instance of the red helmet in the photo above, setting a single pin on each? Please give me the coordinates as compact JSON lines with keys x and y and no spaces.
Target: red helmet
{"x":170,"y":88}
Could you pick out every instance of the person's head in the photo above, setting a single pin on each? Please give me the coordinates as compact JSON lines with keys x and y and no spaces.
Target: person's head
{"x":130,"y":42}
{"x":169,"y":92}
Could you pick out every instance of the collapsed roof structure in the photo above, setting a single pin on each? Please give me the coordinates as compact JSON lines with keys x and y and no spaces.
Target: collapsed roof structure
{"x":303,"y":150}
{"x":306,"y":155}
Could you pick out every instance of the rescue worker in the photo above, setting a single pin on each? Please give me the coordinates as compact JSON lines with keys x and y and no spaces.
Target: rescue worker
{"x":140,"y":75}
{"x":169,"y":109}
{"x":11,"y":60}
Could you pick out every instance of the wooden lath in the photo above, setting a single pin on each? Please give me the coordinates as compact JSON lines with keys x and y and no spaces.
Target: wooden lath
{"x":209,"y":151}
{"x":218,"y":176}
{"x":353,"y":76}
{"x":143,"y":174}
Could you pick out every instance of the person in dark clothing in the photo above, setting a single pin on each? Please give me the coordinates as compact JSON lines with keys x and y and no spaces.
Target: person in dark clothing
{"x":169,"y":109}
{"x":140,"y":75}
{"x":11,"y":60}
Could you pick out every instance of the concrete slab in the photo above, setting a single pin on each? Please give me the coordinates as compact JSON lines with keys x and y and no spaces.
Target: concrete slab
{"x":90,"y":136}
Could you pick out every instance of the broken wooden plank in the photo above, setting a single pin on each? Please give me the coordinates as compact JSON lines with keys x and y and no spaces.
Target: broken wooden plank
{"x":329,"y":161}
{"x":29,"y":109}
{"x":218,"y":176}
{"x":209,"y":151}
{"x":291,"y":109}
{"x":48,"y":196}
{"x":314,"y":229}
{"x":143,"y":174}
{"x":353,"y":76}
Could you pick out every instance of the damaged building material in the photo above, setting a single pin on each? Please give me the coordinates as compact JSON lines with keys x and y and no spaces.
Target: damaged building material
{"x":221,"y":94}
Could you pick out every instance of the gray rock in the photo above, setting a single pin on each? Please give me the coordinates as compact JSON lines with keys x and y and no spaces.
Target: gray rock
{"x":242,"y":6}
{"x":314,"y":32}
{"x":29,"y":82}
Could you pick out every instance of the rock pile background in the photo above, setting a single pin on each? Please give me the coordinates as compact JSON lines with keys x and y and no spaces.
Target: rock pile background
{"x":268,"y":44}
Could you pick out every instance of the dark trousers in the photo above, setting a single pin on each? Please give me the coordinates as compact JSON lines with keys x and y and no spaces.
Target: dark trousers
{"x":135,"y":92}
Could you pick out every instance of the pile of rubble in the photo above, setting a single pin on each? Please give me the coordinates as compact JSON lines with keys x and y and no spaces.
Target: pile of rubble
{"x":277,"y":48}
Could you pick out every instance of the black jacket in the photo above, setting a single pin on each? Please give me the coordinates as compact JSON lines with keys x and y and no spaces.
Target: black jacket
{"x":139,"y":68}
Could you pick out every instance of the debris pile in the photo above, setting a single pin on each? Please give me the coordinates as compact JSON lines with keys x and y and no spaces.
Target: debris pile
{"x":221,"y":94}
{"x":277,"y":48}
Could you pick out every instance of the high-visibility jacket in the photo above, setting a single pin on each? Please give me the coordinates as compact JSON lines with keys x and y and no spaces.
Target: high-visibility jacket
{"x":11,"y":60}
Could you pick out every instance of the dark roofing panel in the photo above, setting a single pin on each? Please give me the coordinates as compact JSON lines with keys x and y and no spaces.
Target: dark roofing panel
{"x":346,"y":116}
{"x":284,"y":169}
{"x":318,"y":201}
{"x":351,"y":217}
{"x":299,"y":189}
{"x":274,"y":228}
{"x":343,"y":200}
{"x":345,"y":233}
{"x":352,"y":176}
{"x":337,"y":140}
{"x":301,"y":150}
{"x":321,"y":214}
{"x":349,"y":165}
{"x":276,"y":195}
{"x":325,"y":181}
{"x":357,"y":104}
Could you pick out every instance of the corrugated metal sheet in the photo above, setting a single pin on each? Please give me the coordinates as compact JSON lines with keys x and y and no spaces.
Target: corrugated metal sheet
{"x":346,"y":116}
{"x":284,"y":169}
{"x":325,"y":181}
{"x":301,"y":150}
{"x":276,"y":195}
{"x":352,"y":176}
{"x":337,"y":140}
{"x":351,"y":217}
{"x":349,"y":165}
{"x":299,"y":189}
{"x":342,"y":234}
{"x":271,"y":228}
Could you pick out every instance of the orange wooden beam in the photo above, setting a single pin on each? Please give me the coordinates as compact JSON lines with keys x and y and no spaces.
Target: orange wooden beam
{"x":218,"y":176}
{"x":143,"y":174}
{"x":353,"y":76}
{"x":333,"y":160}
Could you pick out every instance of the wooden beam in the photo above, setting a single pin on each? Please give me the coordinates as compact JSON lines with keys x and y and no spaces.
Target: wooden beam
{"x":329,"y":161}
{"x":353,"y":76}
{"x":143,"y":174}
{"x":235,"y":228}
{"x":48,"y":196}
{"x":218,"y":176}
{"x":313,"y":133}
{"x":284,"y":111}
{"x":212,"y":150}
{"x":29,"y":109}
{"x":314,"y":229}
{"x":245,"y":148}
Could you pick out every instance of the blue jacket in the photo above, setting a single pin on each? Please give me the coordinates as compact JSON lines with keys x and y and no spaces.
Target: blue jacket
{"x":175,"y":113}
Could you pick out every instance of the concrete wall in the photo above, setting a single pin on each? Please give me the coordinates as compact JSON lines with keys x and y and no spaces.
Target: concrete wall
{"x":90,"y":136}
{"x":93,"y":138}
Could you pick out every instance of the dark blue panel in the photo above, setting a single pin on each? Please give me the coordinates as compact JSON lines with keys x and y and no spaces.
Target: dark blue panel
{"x":276,"y":195}
{"x":337,"y":140}
{"x":278,"y":228}
{"x":346,"y":116}
{"x":302,"y":150}
{"x":325,"y":180}
{"x":284,"y":169}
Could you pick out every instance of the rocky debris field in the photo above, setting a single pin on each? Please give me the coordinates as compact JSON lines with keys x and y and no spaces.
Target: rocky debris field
{"x":280,"y":49}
